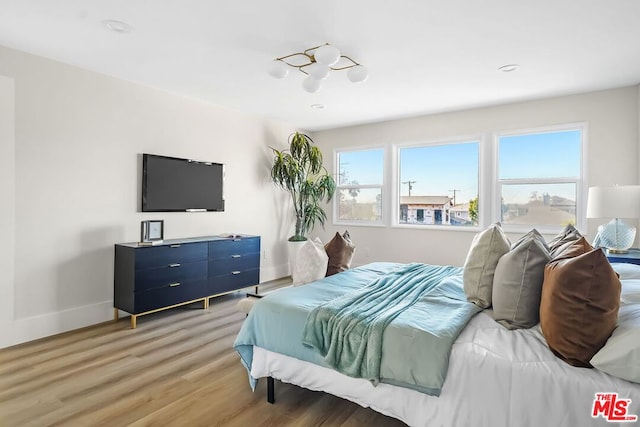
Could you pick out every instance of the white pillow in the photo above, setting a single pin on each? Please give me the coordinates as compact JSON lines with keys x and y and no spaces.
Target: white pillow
{"x":620,"y":356}
{"x":311,"y":263}
{"x":626,"y":271}
{"x":630,"y":291}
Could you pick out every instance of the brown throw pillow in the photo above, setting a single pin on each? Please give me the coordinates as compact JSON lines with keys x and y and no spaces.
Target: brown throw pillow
{"x":340,"y":251}
{"x":579,"y":306}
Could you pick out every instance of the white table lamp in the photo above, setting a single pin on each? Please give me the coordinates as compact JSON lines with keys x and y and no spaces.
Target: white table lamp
{"x":615,"y":202}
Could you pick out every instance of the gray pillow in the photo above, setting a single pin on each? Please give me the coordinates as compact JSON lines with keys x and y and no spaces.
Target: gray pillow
{"x":517,"y":284}
{"x":535,"y":234}
{"x":486,"y":249}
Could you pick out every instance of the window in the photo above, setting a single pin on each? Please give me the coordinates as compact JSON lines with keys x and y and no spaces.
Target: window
{"x":539,"y":178}
{"x":438,"y":184}
{"x":359,"y":194}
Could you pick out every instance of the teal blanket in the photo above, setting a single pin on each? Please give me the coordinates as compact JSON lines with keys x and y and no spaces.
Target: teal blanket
{"x":416,"y":343}
{"x":348,"y":330}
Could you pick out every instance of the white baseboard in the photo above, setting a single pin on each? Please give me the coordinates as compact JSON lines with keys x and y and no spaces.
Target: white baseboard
{"x":272,"y":273}
{"x":32,"y":328}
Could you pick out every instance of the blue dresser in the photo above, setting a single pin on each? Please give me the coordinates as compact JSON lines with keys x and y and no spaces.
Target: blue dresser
{"x":182,"y":271}
{"x":631,"y":257}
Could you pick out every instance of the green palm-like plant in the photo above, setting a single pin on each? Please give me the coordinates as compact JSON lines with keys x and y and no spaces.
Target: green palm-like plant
{"x":299,"y":171}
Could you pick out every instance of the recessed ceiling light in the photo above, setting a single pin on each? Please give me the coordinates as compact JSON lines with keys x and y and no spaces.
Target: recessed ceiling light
{"x":117,"y":26}
{"x":317,"y":106}
{"x":509,"y":68}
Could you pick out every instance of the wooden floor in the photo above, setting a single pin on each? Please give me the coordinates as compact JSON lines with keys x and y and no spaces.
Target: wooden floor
{"x":176,"y":369}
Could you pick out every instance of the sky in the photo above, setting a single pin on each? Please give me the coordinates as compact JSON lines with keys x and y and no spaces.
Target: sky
{"x":439,"y":169}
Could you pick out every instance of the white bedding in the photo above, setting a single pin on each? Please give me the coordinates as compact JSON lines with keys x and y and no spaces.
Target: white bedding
{"x":496,"y":377}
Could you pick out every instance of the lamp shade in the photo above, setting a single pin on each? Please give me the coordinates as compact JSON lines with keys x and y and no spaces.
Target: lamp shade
{"x":357,"y":74}
{"x":621,"y":201}
{"x":278,"y":69}
{"x":311,"y":85}
{"x":318,"y":71}
{"x":327,"y":55}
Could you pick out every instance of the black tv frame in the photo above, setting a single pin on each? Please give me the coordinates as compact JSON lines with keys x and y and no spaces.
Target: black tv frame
{"x":145,"y":208}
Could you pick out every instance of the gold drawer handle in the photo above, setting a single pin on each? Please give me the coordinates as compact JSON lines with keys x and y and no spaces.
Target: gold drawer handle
{"x":236,"y":256}
{"x":174,"y":265}
{"x":175,"y":246}
{"x":173,"y":285}
{"x":235,"y":272}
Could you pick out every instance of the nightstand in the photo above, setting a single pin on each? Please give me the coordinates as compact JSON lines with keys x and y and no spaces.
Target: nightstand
{"x":633,"y":257}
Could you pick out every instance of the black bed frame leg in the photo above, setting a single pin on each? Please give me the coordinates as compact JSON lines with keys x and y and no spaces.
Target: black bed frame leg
{"x":271,"y":395}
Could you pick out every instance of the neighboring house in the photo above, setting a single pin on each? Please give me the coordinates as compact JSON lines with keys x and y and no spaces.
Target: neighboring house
{"x":425,"y":209}
{"x":460,"y":214}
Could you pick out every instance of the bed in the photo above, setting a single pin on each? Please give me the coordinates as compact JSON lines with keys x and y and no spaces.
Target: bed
{"x":492,"y":376}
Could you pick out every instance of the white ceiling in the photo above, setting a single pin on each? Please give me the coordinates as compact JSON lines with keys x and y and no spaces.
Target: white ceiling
{"x":423,"y":56}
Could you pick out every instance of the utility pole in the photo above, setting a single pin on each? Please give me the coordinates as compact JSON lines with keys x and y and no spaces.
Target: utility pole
{"x":455,"y":190}
{"x":410,"y":185}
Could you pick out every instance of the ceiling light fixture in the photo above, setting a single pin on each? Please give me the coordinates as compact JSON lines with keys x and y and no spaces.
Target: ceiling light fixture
{"x":316,"y":63}
{"x":317,"y":106}
{"x":509,"y":68}
{"x":117,"y":26}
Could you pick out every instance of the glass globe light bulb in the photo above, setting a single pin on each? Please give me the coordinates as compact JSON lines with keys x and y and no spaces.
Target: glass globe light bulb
{"x":278,"y":69}
{"x":311,"y":84}
{"x":327,"y":55}
{"x":318,"y":71}
{"x":358,"y":74}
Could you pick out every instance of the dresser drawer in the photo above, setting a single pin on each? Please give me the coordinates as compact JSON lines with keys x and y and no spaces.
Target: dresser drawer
{"x":218,"y":267}
{"x":233,"y":281}
{"x":163,"y":276}
{"x":227,"y":248}
{"x":169,"y":295}
{"x":160,"y":256}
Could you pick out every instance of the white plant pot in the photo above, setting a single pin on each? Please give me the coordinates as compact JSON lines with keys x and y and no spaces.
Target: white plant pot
{"x":294,"y":248}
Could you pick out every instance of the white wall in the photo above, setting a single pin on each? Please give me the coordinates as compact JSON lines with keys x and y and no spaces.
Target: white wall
{"x":7,"y":198}
{"x":74,"y":171}
{"x":612,"y":150}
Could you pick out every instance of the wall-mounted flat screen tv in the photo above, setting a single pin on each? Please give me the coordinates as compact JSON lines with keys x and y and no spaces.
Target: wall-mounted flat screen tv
{"x":170,"y":184}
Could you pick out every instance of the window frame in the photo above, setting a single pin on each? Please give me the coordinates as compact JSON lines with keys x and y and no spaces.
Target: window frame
{"x":580,"y":181}
{"x":383,"y":187}
{"x":394,"y":204}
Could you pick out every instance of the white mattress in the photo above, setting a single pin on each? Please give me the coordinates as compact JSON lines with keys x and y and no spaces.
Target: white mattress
{"x":496,"y":377}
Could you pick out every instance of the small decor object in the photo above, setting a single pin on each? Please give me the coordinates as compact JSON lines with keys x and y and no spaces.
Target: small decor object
{"x":151,"y":232}
{"x":620,"y":201}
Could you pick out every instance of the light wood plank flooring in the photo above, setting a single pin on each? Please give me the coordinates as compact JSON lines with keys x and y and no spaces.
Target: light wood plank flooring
{"x":176,"y":369}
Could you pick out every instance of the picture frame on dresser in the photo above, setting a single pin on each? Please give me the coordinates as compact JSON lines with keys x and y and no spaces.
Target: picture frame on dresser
{"x":152,"y":231}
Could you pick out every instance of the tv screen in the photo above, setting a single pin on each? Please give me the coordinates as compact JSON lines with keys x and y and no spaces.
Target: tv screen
{"x":170,"y":184}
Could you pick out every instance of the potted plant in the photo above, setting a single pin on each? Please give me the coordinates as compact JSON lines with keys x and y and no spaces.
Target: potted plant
{"x":299,"y":171}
